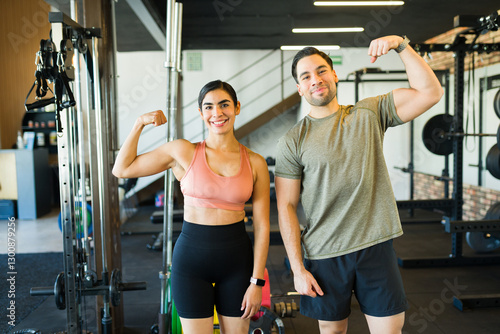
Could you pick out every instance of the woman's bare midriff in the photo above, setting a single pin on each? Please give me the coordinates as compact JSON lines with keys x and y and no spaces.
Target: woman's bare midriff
{"x":212,"y":216}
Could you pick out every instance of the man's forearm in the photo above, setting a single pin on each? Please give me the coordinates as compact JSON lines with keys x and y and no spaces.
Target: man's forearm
{"x":290,"y":233}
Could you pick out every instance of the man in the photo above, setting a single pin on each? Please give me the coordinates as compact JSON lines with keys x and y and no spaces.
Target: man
{"x":332,"y":160}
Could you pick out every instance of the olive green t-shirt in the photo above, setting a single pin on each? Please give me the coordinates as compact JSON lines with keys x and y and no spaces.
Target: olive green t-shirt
{"x":345,"y":187}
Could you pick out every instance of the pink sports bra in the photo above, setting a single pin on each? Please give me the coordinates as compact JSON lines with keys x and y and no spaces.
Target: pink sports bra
{"x":202,"y":187}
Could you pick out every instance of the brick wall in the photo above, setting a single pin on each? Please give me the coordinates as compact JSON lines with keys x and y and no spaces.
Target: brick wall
{"x":445,"y":60}
{"x":477,"y":200}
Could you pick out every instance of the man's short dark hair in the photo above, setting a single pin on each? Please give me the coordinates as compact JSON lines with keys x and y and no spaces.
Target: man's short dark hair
{"x":306,"y":52}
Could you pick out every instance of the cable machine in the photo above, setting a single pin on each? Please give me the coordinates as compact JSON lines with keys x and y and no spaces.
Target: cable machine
{"x":58,"y":62}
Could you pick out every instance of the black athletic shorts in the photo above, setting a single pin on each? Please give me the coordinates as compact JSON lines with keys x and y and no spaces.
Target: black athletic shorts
{"x":211,"y":265}
{"x":372,"y":274}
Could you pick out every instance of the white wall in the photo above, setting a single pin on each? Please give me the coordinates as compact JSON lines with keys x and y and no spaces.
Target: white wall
{"x":142,"y":85}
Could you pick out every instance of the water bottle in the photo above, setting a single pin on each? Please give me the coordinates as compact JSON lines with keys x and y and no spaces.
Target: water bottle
{"x":20,"y":141}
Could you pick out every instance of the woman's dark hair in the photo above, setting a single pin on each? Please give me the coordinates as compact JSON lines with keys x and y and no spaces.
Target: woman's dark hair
{"x":306,"y":52}
{"x":217,"y":84}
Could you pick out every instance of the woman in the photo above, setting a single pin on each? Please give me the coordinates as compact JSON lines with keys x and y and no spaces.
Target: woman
{"x":212,"y":260}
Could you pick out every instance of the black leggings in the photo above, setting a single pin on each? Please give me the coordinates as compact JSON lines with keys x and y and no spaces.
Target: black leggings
{"x":205,"y":255}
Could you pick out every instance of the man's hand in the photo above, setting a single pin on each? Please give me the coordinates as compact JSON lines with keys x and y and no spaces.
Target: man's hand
{"x":306,"y":284}
{"x":381,"y":46}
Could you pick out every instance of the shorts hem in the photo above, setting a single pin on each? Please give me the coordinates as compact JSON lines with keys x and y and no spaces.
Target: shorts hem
{"x":194,"y":315}
{"x":230,"y":315}
{"x":323,"y":317}
{"x":388,"y":313}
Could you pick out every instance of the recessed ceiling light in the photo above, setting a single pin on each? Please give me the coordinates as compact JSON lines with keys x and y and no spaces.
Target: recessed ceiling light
{"x":323,"y":30}
{"x":359,"y":3}
{"x":300,"y":47}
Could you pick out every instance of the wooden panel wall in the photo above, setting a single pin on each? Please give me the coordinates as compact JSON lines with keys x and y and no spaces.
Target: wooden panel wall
{"x":23,"y":23}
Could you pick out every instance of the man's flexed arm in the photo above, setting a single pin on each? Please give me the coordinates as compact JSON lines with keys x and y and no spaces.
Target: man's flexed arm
{"x":425,"y":89}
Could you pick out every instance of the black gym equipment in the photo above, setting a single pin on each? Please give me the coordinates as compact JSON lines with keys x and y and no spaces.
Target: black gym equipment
{"x":485,"y":84}
{"x":438,"y":134}
{"x":265,"y":324}
{"x":493,"y":161}
{"x":453,"y":223}
{"x":483,"y":237}
{"x":496,"y":103}
{"x":487,"y":239}
{"x":373,"y":71}
{"x":81,"y":264}
{"x":459,"y":47}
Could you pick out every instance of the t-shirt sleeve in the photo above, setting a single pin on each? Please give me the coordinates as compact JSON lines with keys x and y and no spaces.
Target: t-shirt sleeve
{"x":387,"y":111}
{"x":287,"y":163}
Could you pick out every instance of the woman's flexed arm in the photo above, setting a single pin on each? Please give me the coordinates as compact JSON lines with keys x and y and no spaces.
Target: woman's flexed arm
{"x":128,"y":164}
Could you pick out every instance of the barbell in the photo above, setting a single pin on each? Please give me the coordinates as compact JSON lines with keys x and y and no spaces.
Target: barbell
{"x":438,"y":134}
{"x":113,"y":290}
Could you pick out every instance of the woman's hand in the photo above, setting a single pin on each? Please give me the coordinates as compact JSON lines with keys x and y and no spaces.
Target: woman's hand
{"x":156,"y":118}
{"x":251,"y":301}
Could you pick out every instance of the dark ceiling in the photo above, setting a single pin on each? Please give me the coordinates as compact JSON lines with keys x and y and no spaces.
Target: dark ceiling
{"x":267,"y":24}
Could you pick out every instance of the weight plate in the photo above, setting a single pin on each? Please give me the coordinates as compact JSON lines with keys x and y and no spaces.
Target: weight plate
{"x":493,"y":161}
{"x":288,"y":310}
{"x":114,"y":287}
{"x":482,"y":242}
{"x":433,"y":134}
{"x":498,"y":136}
{"x":277,"y":308}
{"x":493,"y":212}
{"x":496,"y":103}
{"x":282,"y":308}
{"x":59,"y":292}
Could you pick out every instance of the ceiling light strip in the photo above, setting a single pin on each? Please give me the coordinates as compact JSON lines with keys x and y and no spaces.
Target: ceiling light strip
{"x":323,"y":30}
{"x":300,"y":47}
{"x":359,"y":3}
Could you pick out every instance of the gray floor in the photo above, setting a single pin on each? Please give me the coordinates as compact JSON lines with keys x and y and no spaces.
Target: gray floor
{"x":429,"y":290}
